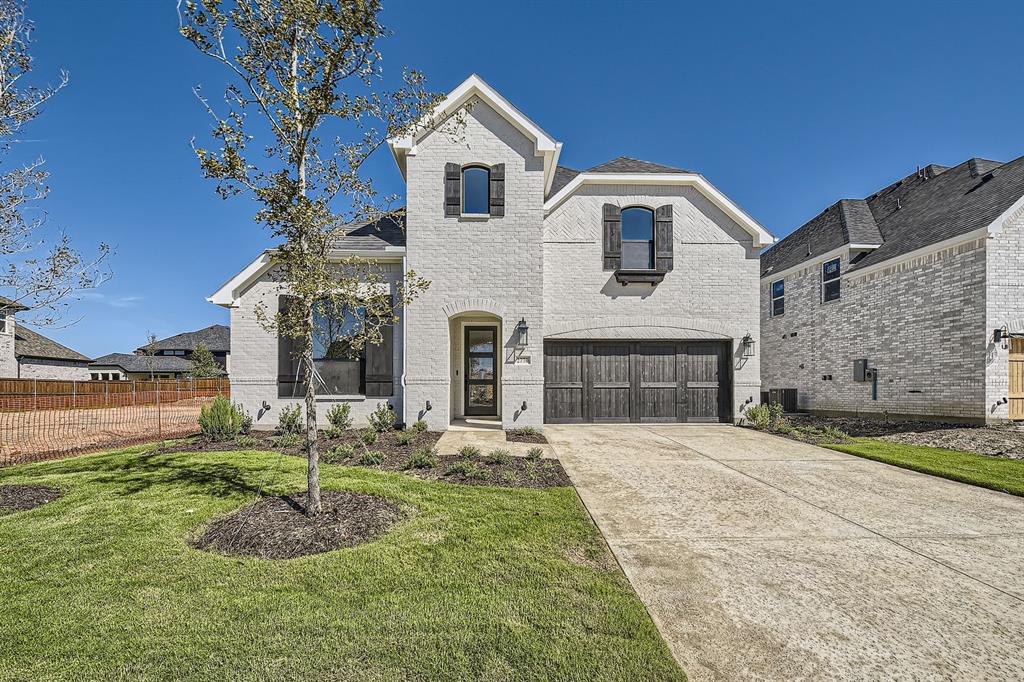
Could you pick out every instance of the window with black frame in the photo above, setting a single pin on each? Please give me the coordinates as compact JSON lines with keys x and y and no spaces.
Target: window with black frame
{"x":637,"y":238}
{"x":339,"y":368}
{"x":476,"y":182}
{"x":830,"y":281}
{"x":778,"y":298}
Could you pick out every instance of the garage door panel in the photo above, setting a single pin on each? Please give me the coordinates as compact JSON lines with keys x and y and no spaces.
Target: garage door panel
{"x":563,"y":383}
{"x":608,"y":381}
{"x":704,"y":396}
{"x":658,"y":382}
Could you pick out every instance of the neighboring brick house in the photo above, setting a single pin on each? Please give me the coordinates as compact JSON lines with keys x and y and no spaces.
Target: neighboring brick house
{"x":626,"y":292}
{"x":27,"y":354}
{"x":924,"y":280}
{"x":216,"y":338}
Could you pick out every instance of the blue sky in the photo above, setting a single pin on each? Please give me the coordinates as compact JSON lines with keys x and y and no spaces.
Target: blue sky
{"x":786,"y":107}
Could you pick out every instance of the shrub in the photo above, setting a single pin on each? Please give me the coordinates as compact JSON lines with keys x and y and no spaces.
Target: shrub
{"x":534,"y":454}
{"x":404,"y":437}
{"x":340,"y":416}
{"x":835,"y":435}
{"x":368,"y":436}
{"x":765,"y":416}
{"x":247,"y":441}
{"x":290,"y":421}
{"x":383,"y":418}
{"x":419,"y":426}
{"x":469,"y":451}
{"x":220,"y":420}
{"x":468,"y":469}
{"x":288,"y":440}
{"x":498,"y":456}
{"x":424,"y":458}
{"x":246,"y":426}
{"x":333,"y":433}
{"x":371,"y":458}
{"x":531,"y":468}
{"x":340,"y":453}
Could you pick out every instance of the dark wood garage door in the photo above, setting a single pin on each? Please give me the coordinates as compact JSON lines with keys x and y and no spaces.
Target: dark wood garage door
{"x":639,"y":381}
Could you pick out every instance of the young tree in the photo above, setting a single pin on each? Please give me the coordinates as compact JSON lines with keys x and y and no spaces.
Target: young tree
{"x":204,"y":365}
{"x":42,"y":277}
{"x":149,"y":352}
{"x":300,"y":71}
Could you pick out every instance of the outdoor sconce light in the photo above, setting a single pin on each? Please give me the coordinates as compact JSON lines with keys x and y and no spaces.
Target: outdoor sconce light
{"x":1002,"y":334}
{"x":524,"y":407}
{"x":429,"y":406}
{"x":524,"y":331}
{"x":748,"y":346}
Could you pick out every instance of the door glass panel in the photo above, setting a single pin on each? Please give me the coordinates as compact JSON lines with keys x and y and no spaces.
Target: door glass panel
{"x":481,"y":368}
{"x":481,"y":395}
{"x":481,"y":341}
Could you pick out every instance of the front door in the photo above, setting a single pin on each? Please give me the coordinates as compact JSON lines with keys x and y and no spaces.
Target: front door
{"x":481,"y":371}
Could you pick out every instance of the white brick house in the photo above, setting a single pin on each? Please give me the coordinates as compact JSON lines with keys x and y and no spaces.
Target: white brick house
{"x":621,"y":293}
{"x":27,"y":354}
{"x":922,"y":278}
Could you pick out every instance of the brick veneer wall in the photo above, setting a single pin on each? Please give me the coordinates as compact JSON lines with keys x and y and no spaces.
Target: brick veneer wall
{"x":63,"y":370}
{"x":8,"y":363}
{"x":1004,"y":306}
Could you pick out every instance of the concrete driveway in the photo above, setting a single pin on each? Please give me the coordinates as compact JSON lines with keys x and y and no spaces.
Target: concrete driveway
{"x":763,"y":558}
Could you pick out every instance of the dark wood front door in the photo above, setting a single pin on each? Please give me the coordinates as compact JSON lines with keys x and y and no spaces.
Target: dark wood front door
{"x":481,"y":371}
{"x":636,"y":381}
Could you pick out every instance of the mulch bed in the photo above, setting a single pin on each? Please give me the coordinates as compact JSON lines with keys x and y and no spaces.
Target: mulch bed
{"x":525,"y":436}
{"x":16,"y":498}
{"x":278,"y":528}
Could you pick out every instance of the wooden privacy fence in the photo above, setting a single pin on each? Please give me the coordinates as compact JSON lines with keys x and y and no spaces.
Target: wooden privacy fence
{"x":43,"y":419}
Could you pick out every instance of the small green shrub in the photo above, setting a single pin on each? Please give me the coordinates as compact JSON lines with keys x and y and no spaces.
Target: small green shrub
{"x":419,"y":426}
{"x":507,"y":477}
{"x":288,"y":440}
{"x":524,"y":432}
{"x":534,"y":454}
{"x":498,"y":456}
{"x":246,"y":441}
{"x":530,"y":468}
{"x":835,"y":435}
{"x":290,"y":421}
{"x":246,"y":426}
{"x":469,"y":451}
{"x":424,"y":458}
{"x":341,"y":453}
{"x":468,"y":469}
{"x":220,"y":420}
{"x":404,"y":437}
{"x":340,"y":416}
{"x":383,"y":418}
{"x":371,"y":458}
{"x":333,"y":433}
{"x":765,"y":416}
{"x":368,"y":436}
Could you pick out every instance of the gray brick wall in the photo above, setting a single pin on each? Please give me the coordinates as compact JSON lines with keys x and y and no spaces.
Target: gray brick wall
{"x":8,"y":365}
{"x":710,"y":293}
{"x":1004,"y":306}
{"x":39,"y":368}
{"x":921,"y":322}
{"x":254,"y":359}
{"x":491,"y":266}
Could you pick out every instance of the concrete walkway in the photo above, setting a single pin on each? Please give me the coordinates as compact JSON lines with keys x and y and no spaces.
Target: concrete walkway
{"x":763,"y":558}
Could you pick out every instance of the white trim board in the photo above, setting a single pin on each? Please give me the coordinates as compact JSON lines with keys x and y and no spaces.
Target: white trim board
{"x":761,"y":236}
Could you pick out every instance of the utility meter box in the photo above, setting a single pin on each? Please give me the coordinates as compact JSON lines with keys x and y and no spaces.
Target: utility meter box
{"x":860,"y":370}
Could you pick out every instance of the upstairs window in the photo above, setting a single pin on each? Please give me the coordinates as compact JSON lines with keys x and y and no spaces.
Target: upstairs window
{"x":779,"y":298}
{"x":476,"y":183}
{"x":830,"y":281}
{"x":637,"y":238}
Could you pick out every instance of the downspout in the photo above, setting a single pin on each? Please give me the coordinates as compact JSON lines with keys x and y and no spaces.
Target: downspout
{"x":405,"y":351}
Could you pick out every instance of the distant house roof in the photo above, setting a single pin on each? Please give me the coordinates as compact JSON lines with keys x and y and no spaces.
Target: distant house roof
{"x":8,"y":304}
{"x":32,"y":344}
{"x":929,"y":206}
{"x":216,"y":338}
{"x":130,"y":362}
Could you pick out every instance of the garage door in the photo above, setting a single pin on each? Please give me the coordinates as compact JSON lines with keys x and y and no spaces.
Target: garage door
{"x":645,"y":381}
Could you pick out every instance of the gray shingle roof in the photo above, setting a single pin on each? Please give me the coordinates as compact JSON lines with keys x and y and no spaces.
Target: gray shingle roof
{"x":8,"y":304}
{"x":926,"y":207}
{"x":130,"y":362}
{"x":625,"y":164}
{"x":563,"y":176}
{"x":373,"y":235}
{"x":216,"y":338}
{"x":32,"y":344}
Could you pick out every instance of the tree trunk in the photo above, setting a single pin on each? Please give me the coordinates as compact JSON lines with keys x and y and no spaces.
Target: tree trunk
{"x":313,"y":504}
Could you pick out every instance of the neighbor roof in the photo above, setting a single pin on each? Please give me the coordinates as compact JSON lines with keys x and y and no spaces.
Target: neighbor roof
{"x":8,"y":304}
{"x":216,"y":338}
{"x":131,"y":362}
{"x":929,"y":206}
{"x":32,"y":344}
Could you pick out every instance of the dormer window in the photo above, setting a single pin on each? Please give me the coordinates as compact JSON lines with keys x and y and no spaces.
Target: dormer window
{"x":476,"y":185}
{"x":637,"y":238}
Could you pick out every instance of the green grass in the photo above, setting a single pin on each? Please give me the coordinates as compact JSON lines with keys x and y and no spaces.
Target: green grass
{"x":997,"y":473}
{"x":478,"y":582}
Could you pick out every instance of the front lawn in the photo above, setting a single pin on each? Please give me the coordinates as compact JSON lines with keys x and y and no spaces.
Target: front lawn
{"x":997,"y":473}
{"x":476,"y":583}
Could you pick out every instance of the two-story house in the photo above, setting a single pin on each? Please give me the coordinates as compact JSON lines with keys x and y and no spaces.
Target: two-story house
{"x":908,"y":303}
{"x":622,"y":293}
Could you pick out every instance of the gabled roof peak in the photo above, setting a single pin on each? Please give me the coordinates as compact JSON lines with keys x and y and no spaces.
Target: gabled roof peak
{"x":627,"y":164}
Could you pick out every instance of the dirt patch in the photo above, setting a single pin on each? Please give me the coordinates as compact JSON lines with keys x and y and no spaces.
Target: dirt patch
{"x":16,"y":498}
{"x":525,"y":436}
{"x":998,"y":440}
{"x":278,"y":528}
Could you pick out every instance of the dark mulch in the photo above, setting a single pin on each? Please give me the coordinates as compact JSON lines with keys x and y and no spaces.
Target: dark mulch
{"x":517,"y":472}
{"x":16,"y":498}
{"x":387,"y":443}
{"x":278,"y":528}
{"x":525,"y":436}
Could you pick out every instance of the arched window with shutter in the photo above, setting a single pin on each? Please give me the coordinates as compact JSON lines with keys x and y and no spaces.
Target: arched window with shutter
{"x":637,"y":238}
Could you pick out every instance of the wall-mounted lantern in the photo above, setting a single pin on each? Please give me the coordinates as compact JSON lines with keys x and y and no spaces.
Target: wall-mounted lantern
{"x":748,"y":346}
{"x":523,"y":331}
{"x":1002,"y":335}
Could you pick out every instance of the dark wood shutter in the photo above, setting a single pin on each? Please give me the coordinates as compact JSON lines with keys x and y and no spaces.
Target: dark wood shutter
{"x":380,"y":364}
{"x":288,"y":381}
{"x":663,"y":238}
{"x":452,"y":190}
{"x":612,"y":215}
{"x":497,"y":192}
